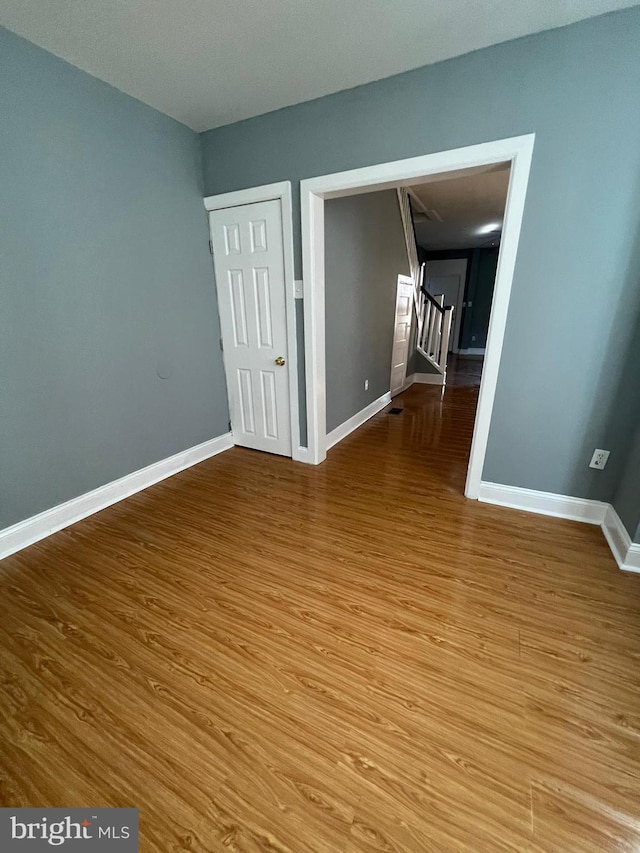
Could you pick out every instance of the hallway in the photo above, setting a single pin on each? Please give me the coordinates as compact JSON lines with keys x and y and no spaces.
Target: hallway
{"x":263,"y":655}
{"x":464,"y":370}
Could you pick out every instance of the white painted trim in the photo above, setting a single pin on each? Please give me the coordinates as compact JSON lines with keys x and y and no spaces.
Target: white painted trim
{"x":428,"y":378}
{"x":545,"y":503}
{"x":272,"y":192}
{"x":39,"y":526}
{"x":518,"y":151}
{"x":616,"y":535}
{"x":514,"y":210}
{"x":632,"y":560}
{"x":626,"y":552}
{"x":357,"y":420}
{"x":302,"y":455}
{"x":312,"y":225}
{"x":266,"y":192}
{"x":290,"y":307}
{"x":410,"y":172}
{"x":472,"y":351}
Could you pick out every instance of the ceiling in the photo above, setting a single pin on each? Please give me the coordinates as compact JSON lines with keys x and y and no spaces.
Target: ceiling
{"x":470,"y":206}
{"x":213,"y":62}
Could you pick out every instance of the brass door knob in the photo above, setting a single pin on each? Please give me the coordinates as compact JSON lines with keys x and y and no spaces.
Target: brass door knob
{"x":280,"y":361}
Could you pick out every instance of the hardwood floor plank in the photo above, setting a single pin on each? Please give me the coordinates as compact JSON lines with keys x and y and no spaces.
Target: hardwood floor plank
{"x":263,"y":655}
{"x":565,"y":820}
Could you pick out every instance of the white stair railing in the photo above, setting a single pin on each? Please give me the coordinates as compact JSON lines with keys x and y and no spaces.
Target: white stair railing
{"x":434,"y":329}
{"x":433,"y":317}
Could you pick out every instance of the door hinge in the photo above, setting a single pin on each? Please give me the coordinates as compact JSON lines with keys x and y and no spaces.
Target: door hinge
{"x":221,"y":345}
{"x":211,"y":247}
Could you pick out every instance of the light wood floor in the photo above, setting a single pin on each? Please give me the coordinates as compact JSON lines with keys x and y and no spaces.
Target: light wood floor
{"x":267,"y":656}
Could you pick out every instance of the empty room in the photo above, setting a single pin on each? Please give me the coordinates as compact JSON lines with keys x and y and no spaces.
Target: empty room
{"x":320,"y":426}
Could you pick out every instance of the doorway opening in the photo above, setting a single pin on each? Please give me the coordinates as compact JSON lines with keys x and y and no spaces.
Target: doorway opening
{"x":457,"y":224}
{"x":516,"y":154}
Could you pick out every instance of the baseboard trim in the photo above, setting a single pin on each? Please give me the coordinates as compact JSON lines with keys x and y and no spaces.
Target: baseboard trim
{"x":31,"y":530}
{"x":632,"y":560}
{"x":428,"y":378}
{"x":545,"y":503}
{"x":302,"y":455}
{"x":626,"y":552}
{"x":38,"y":527}
{"x":357,"y":420}
{"x":472,"y":351}
{"x":616,"y":535}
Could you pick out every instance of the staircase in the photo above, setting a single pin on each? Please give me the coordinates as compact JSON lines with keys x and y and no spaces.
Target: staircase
{"x":433,"y":317}
{"x":434,"y":326}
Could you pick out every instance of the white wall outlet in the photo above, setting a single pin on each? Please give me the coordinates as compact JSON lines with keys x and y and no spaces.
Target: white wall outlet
{"x":366,"y":384}
{"x":599,"y":459}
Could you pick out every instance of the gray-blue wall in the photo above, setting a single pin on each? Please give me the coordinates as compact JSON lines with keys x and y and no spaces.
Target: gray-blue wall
{"x":365,"y":252}
{"x":575,"y":290}
{"x":105,"y":285}
{"x":626,"y":499}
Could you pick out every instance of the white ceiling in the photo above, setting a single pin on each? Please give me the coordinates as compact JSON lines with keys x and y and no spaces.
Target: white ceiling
{"x":212,"y":62}
{"x":471,"y":208}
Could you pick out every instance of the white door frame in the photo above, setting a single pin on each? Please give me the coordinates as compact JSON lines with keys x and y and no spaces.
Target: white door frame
{"x":282,"y":192}
{"x":313,"y":192}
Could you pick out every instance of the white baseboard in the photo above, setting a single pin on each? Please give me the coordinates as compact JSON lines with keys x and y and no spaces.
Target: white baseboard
{"x":357,"y":420}
{"x":302,"y":455}
{"x":632,"y":560}
{"x":472,"y":351}
{"x":626,"y":552}
{"x":39,"y":526}
{"x":616,"y":535}
{"x":31,"y":530}
{"x":428,"y":378}
{"x":546,"y":503}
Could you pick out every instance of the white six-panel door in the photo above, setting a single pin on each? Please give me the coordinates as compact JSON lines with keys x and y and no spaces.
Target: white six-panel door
{"x":401,"y":333}
{"x":249,"y":268}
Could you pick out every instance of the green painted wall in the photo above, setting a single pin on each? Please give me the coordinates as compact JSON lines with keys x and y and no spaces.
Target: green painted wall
{"x":481,"y":276}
